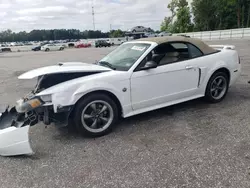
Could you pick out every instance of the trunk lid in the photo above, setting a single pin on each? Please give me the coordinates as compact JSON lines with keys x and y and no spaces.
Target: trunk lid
{"x":223,"y":47}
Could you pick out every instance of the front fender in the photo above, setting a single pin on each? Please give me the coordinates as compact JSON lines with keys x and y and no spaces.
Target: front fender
{"x":117,"y":90}
{"x":83,"y":90}
{"x":71,"y":97}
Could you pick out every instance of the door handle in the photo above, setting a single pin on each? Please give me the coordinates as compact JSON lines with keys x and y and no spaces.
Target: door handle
{"x":189,"y":67}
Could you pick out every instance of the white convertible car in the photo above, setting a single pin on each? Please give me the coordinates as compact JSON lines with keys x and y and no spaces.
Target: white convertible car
{"x":52,"y":47}
{"x":138,"y":76}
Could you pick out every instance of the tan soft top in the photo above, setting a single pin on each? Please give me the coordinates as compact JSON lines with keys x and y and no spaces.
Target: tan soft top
{"x":206,"y":49}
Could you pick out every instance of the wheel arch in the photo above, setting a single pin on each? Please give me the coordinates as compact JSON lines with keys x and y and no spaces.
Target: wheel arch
{"x":225,"y":70}
{"x":221,"y":69}
{"x":108,"y":93}
{"x":208,"y":94}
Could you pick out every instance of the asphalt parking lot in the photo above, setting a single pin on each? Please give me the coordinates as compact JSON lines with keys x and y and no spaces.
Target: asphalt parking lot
{"x":193,"y":144}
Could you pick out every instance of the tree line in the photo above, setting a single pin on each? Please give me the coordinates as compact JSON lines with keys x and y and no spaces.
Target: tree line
{"x":206,"y":15}
{"x":56,"y":34}
{"x":201,"y":15}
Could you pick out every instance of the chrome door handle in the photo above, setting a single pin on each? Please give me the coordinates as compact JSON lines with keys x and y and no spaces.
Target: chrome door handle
{"x":189,"y":67}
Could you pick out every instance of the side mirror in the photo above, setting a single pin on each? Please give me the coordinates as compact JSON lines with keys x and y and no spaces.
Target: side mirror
{"x":149,"y":65}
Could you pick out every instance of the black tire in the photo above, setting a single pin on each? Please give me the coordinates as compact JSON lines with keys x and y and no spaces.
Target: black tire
{"x":61,"y":49}
{"x":84,"y":105}
{"x":47,"y":49}
{"x":208,"y":94}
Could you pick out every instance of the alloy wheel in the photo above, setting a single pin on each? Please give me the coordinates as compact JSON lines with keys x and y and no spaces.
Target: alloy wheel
{"x":218,"y":87}
{"x":97,"y":116}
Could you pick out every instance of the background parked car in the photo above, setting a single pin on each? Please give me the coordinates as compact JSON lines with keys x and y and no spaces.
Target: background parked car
{"x":5,"y":49}
{"x":139,"y":29}
{"x":52,"y":47}
{"x":71,"y":45}
{"x":150,"y":34}
{"x":115,"y":41}
{"x":164,"y":33}
{"x":36,"y":48}
{"x":83,"y":45}
{"x":102,"y":43}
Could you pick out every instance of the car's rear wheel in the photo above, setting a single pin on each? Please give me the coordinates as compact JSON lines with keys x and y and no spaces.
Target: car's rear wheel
{"x":217,"y":87}
{"x":96,"y":115}
{"x":47,"y":49}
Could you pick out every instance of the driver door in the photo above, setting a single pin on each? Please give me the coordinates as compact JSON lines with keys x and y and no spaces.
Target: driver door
{"x":164,"y":84}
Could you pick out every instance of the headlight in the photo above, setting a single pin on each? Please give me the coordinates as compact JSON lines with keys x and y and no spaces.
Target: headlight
{"x":27,"y":106}
{"x":46,"y":98}
{"x":34,"y":103}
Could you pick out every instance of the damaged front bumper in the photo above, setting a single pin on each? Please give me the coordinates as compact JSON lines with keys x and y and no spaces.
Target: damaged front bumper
{"x":15,"y":124}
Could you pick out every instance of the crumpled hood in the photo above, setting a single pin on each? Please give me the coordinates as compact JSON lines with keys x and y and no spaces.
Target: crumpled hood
{"x":64,"y":68}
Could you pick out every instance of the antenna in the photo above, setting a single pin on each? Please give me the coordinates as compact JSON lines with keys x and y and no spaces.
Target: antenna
{"x":93,"y":14}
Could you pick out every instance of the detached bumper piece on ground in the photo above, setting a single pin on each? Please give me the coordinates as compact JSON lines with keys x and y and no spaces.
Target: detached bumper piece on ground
{"x":15,"y":124}
{"x":14,"y":133}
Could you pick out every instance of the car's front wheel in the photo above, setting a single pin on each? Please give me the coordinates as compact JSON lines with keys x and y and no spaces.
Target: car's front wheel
{"x":96,"y":115}
{"x":217,"y":87}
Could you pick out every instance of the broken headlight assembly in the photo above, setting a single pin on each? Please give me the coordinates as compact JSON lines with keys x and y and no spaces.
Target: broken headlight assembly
{"x":24,"y":105}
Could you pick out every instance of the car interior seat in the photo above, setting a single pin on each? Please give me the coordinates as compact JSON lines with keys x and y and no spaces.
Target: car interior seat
{"x":165,"y":54}
{"x":169,"y":57}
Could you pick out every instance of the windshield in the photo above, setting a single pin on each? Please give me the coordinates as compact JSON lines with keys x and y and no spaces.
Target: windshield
{"x":124,"y":56}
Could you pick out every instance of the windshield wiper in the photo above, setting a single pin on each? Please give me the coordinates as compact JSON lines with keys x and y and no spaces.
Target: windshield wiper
{"x":105,"y":63}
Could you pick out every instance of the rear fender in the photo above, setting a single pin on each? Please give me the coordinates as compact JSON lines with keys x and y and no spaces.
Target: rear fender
{"x":207,"y":73}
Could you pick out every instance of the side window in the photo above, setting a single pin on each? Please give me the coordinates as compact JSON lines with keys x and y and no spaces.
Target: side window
{"x":149,"y":57}
{"x":172,"y":53}
{"x":194,"y":51}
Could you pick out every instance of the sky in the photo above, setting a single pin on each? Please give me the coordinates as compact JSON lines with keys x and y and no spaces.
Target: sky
{"x":26,"y":15}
